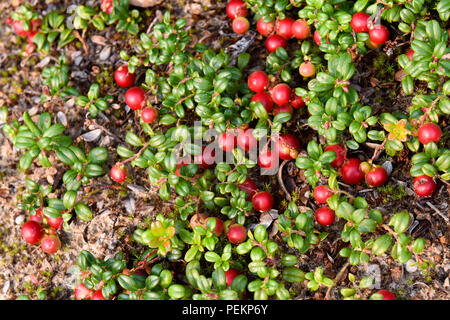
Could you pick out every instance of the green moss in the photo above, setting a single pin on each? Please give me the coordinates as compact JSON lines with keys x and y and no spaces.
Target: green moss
{"x":391,"y":193}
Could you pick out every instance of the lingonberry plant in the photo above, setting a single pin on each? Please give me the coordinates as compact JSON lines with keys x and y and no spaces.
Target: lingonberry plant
{"x":198,"y":122}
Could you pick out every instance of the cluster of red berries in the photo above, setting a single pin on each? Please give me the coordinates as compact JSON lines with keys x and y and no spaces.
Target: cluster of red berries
{"x":378,"y":34}
{"x":19,"y":29}
{"x":34,"y":233}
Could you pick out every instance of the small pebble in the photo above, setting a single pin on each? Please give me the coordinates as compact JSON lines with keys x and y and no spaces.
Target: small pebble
{"x":105,"y":53}
{"x":19,"y":219}
{"x":411,"y":266}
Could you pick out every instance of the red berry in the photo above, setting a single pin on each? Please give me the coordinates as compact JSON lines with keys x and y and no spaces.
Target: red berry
{"x":183,"y":162}
{"x":38,"y":217}
{"x":318,"y":38}
{"x":265,"y":28}
{"x":376,"y":177}
{"x":296,"y":101}
{"x":267,"y":160}
{"x":219,"y":226}
{"x":149,"y":115}
{"x":307,"y":69}
{"x":281,"y":94}
{"x":19,"y":29}
{"x":324,"y":216}
{"x":237,"y":234}
{"x":123,"y":78}
{"x":31,"y":36}
{"x":387,"y":295}
{"x":107,"y":6}
{"x":341,"y":154}
{"x":250,"y":186}
{"x":321,"y":194}
{"x":56,"y":223}
{"x":32,"y":232}
{"x":284,"y":28}
{"x":262,"y":201}
{"x":236,"y":8}
{"x":424,"y":185}
{"x":265,"y":99}
{"x":207,"y":158}
{"x":286,"y":108}
{"x":135,"y":98}
{"x":258,"y":81}
{"x":9,"y":20}
{"x":359,"y":22}
{"x":246,"y":140}
{"x":287,"y":147}
{"x":50,"y":244}
{"x":82,"y":293}
{"x":351,"y":173}
{"x":300,"y":29}
{"x":240,"y":25}
{"x":118,"y":173}
{"x":429,"y":132}
{"x":230,"y":274}
{"x":227,"y":141}
{"x":98,"y":295}
{"x":379,"y":34}
{"x":274,"y":41}
{"x":409,"y":54}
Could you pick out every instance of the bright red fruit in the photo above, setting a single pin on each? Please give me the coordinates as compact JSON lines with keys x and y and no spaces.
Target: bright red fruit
{"x":265,"y":99}
{"x":321,"y":194}
{"x":236,"y":8}
{"x":219,"y":226}
{"x":82,"y":293}
{"x":258,"y":81}
{"x":250,"y":186}
{"x":207,"y":158}
{"x":123,"y":78}
{"x":287,"y":147}
{"x":227,"y":141}
{"x":424,"y":185}
{"x":307,"y":69}
{"x":98,"y":295}
{"x":56,"y":223}
{"x":379,"y":34}
{"x":118,"y":173}
{"x":351,"y":173}
{"x":300,"y":29}
{"x":149,"y":115}
{"x":318,"y":38}
{"x":135,"y":98}
{"x":281,"y":94}
{"x":32,"y":232}
{"x":274,"y":41}
{"x":240,"y":25}
{"x":31,"y":36}
{"x":18,"y":28}
{"x":341,"y":155}
{"x":409,"y":54}
{"x":246,"y":140}
{"x":429,"y":132}
{"x":107,"y":6}
{"x":387,"y":295}
{"x":284,"y":28}
{"x":376,"y":177}
{"x":230,"y":274}
{"x":38,"y":217}
{"x":324,"y":216}
{"x":262,"y":201}
{"x":296,"y":101}
{"x":359,"y":22}
{"x":265,"y":28}
{"x":50,"y":244}
{"x":237,"y":234}
{"x":267,"y":159}
{"x":286,"y":108}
